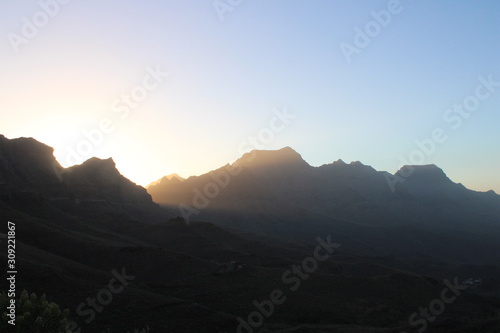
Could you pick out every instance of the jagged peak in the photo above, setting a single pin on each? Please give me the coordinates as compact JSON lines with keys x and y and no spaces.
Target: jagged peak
{"x":172,"y":177}
{"x":97,"y":167}
{"x":99,"y":162}
{"x":33,"y":161}
{"x":353,"y":166}
{"x":30,"y":142}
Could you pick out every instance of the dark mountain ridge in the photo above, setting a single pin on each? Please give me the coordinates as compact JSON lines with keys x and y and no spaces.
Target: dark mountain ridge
{"x":29,"y":172}
{"x":278,"y":193}
{"x":76,"y":225}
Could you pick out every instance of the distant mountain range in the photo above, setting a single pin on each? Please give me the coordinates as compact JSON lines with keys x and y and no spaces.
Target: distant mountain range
{"x":166,"y":178}
{"x":261,"y":215}
{"x":278,"y":194}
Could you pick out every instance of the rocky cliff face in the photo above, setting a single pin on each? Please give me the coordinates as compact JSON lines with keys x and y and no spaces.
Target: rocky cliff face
{"x":98,"y":179}
{"x":29,"y":173}
{"x":27,"y":163}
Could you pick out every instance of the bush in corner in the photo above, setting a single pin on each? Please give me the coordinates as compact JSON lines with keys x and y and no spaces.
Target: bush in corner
{"x":34,"y":315}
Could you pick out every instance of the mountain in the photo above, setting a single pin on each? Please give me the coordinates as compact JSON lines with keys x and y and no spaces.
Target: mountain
{"x":286,"y":159}
{"x":277,"y":194}
{"x":27,"y":164}
{"x":29,"y":172}
{"x":173,"y":176}
{"x":79,"y":228}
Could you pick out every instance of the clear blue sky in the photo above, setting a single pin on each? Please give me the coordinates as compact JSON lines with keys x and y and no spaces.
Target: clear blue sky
{"x":227,"y":76}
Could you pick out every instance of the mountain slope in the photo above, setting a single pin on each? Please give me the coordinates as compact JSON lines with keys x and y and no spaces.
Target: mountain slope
{"x":30,"y":177}
{"x":74,"y":230}
{"x":277,"y":194}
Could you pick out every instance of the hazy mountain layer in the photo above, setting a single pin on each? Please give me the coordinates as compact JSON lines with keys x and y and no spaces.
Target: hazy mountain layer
{"x":417,"y":212}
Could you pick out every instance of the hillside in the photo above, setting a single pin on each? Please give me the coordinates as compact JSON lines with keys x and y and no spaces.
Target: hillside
{"x":75,"y":230}
{"x":277,"y":194}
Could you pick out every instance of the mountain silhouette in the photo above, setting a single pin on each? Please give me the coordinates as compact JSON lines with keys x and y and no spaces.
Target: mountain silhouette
{"x":173,"y":176}
{"x":277,"y":193}
{"x":285,"y":158}
{"x":29,"y":173}
{"x":76,"y":226}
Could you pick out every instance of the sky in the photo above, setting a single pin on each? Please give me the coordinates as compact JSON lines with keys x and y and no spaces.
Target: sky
{"x":185,"y":87}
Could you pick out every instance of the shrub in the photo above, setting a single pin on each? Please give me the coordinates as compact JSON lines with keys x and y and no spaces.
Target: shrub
{"x":34,"y":315}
